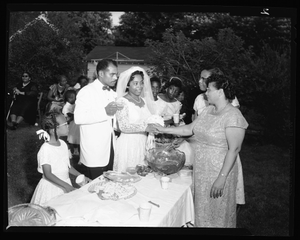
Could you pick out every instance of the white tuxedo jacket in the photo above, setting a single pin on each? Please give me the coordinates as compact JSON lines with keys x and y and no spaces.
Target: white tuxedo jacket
{"x":95,"y":125}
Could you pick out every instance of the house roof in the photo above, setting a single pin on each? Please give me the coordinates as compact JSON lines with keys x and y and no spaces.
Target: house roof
{"x":119,"y":53}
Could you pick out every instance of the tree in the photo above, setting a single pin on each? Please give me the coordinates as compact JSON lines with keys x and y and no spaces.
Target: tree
{"x":94,"y":28}
{"x":136,"y":27}
{"x":186,"y":58}
{"x":254,"y":30}
{"x":46,"y":49}
{"x":262,"y":82}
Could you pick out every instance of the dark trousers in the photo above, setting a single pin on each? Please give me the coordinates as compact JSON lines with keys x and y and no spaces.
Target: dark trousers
{"x":94,"y":172}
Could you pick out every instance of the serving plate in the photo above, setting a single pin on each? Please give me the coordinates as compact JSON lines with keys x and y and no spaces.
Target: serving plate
{"x":109,"y":190}
{"x":121,"y":177}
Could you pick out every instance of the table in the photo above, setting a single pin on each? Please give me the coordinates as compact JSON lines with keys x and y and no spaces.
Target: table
{"x":82,"y":208}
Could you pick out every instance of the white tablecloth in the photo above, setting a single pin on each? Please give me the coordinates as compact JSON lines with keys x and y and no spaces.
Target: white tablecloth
{"x":82,"y":208}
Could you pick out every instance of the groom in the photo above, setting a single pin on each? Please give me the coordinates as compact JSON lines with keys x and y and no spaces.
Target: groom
{"x":94,"y":110}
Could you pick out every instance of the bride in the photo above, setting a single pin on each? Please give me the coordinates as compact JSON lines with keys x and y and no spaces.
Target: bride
{"x":135,"y":94}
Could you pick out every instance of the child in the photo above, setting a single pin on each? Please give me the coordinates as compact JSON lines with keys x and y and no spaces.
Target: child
{"x":53,"y":160}
{"x":68,"y":111}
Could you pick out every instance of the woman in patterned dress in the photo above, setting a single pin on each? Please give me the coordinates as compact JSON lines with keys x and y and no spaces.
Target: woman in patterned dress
{"x":219,"y":132}
{"x":199,"y":105}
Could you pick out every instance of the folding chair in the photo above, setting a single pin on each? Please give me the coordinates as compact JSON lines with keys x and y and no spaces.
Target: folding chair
{"x":40,"y":96}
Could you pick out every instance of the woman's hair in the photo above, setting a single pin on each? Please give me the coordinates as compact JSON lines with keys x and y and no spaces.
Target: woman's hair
{"x":61,"y":76}
{"x":155,"y":79}
{"x":221,"y":81}
{"x":68,"y":94}
{"x":174,"y":81}
{"x":133,"y":75}
{"x":215,"y":71}
{"x":80,"y":78}
{"x":49,"y":121}
{"x":29,"y":75}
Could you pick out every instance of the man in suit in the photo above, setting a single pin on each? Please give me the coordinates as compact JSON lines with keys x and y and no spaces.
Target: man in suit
{"x":95,"y":107}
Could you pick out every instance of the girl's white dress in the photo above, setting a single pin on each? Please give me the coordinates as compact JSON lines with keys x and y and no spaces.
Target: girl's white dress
{"x":131,"y":144}
{"x":167,"y":109}
{"x":200,"y":103}
{"x":58,"y":158}
{"x":74,"y":132}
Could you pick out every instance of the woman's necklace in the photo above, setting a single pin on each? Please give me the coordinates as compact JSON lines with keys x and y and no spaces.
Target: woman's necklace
{"x":134,"y":99}
{"x":218,"y":111}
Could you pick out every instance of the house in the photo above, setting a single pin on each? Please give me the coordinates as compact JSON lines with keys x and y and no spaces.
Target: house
{"x":126,"y":57}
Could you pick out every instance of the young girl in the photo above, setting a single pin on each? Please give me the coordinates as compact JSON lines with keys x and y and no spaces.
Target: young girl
{"x":53,"y":160}
{"x":68,"y":111}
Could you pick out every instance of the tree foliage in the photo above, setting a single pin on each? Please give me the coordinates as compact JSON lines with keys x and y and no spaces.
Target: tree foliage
{"x":136,"y":27}
{"x":46,"y":51}
{"x":262,"y":82}
{"x":94,"y":29}
{"x":186,"y":58}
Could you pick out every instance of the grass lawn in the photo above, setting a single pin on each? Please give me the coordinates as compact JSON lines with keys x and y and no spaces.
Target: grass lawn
{"x":266,"y":169}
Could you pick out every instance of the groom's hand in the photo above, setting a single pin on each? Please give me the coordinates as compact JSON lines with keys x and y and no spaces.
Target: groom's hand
{"x":112,"y":108}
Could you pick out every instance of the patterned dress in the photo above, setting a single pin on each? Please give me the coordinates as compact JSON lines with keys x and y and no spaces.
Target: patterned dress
{"x":210,"y":150}
{"x":131,"y":144}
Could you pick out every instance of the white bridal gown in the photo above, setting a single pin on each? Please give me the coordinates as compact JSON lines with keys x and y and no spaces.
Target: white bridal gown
{"x":131,"y":144}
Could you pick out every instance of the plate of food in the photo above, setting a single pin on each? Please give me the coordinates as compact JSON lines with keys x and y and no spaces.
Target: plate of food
{"x":143,"y":170}
{"x":123,"y":177}
{"x":109,"y":190}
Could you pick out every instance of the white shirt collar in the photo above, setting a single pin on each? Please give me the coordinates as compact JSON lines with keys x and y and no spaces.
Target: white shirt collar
{"x":25,"y":84}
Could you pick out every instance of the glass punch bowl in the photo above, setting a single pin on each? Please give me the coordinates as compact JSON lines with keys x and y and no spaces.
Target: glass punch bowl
{"x":165,"y":160}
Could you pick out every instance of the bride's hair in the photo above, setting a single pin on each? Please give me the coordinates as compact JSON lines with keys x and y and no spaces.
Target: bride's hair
{"x":133,"y":75}
{"x":127,"y":76}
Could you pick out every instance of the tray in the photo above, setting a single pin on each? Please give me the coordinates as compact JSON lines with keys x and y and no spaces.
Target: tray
{"x":117,"y":187}
{"x":121,"y":177}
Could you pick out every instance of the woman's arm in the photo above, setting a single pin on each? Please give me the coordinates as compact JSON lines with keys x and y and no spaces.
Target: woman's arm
{"x":50,"y":96}
{"x":124,"y":124}
{"x":235,"y":137}
{"x":32,"y":92}
{"x":52,"y":178}
{"x":184,"y":130}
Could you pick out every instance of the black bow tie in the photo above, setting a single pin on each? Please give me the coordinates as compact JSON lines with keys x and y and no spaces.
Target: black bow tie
{"x":106,"y":88}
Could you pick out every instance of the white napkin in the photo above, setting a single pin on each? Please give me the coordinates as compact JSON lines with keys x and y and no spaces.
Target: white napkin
{"x":111,"y":213}
{"x":75,"y":204}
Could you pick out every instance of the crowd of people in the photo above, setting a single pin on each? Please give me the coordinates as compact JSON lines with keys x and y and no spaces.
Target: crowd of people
{"x":110,"y":129}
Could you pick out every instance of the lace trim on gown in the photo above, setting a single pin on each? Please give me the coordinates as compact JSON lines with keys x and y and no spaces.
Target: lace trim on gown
{"x":124,"y":122}
{"x":131,"y":144}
